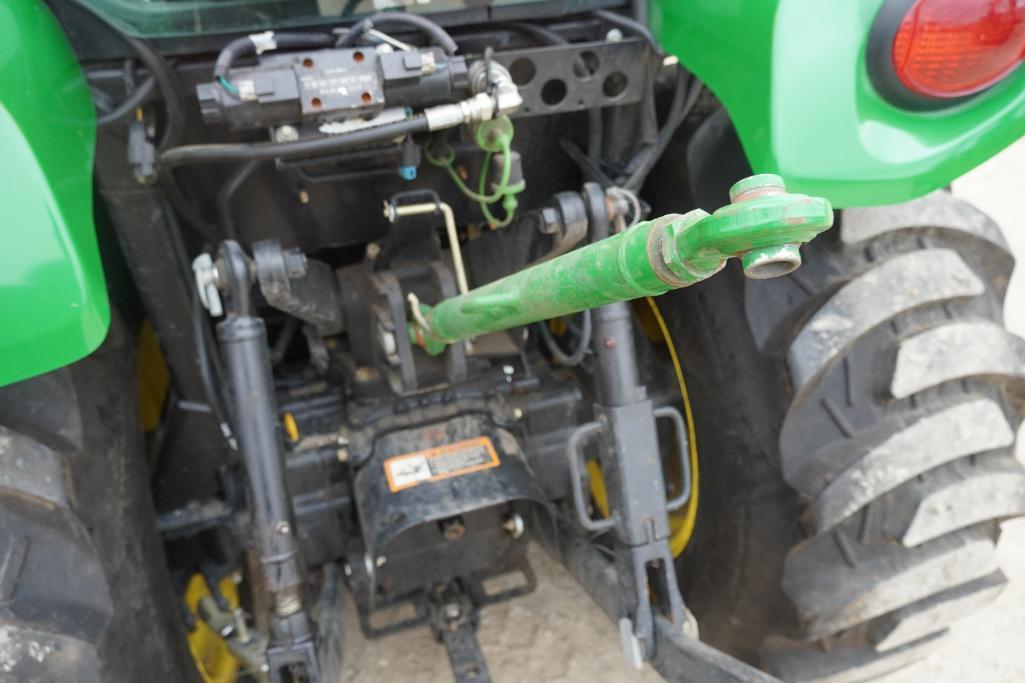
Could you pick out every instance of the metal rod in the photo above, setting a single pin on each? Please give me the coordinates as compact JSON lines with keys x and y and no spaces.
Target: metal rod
{"x":393,"y":212}
{"x":763,"y":226}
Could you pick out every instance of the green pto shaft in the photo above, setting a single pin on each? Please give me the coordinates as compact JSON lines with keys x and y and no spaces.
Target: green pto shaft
{"x":763,"y":226}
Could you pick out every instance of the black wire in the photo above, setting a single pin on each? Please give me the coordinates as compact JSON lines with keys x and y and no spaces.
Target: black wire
{"x":209,"y":373}
{"x":138,"y":96}
{"x":167,"y":83}
{"x":261,"y":151}
{"x":684,"y":99}
{"x":583,"y":343}
{"x":226,"y":196}
{"x":174,"y":108}
{"x":425,"y":25}
{"x":632,"y":26}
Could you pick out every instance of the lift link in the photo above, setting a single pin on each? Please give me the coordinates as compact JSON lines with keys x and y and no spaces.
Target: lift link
{"x":764,"y":226}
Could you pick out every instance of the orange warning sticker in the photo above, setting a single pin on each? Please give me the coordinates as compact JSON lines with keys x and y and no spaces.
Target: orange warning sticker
{"x":451,"y":460}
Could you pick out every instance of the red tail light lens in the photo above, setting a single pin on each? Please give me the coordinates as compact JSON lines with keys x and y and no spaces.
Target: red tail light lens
{"x":953,"y":48}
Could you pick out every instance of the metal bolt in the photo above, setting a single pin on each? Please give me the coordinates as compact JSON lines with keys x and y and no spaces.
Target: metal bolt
{"x":343,"y":455}
{"x":380,"y":561}
{"x":614,"y":35}
{"x":388,"y":344}
{"x":514,"y":525}
{"x":608,"y":342}
{"x":286,"y":134}
{"x":373,"y":249}
{"x":452,"y":611}
{"x":304,"y":197}
{"x":518,"y":413}
{"x":283,"y":528}
{"x":508,"y":370}
{"x":347,"y":569}
{"x":549,"y":223}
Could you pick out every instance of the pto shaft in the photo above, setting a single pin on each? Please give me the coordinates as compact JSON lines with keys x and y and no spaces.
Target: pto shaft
{"x":763,"y":226}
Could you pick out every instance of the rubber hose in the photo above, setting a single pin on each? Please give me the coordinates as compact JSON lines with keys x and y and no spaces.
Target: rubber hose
{"x":440,"y":36}
{"x":261,"y":151}
{"x":226,"y":196}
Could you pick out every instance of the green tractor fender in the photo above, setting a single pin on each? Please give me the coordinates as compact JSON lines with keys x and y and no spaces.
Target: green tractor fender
{"x":53,"y":299}
{"x":794,"y":77}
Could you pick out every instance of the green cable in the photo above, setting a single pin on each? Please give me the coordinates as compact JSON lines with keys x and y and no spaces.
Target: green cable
{"x":228,"y":85}
{"x":509,"y":202}
{"x":446,"y":164}
{"x":492,"y":139}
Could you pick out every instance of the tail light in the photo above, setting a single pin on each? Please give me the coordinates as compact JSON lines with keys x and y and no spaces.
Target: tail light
{"x":947,"y":49}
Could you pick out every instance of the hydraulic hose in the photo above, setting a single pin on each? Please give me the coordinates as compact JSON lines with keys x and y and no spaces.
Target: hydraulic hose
{"x":432,"y":30}
{"x":226,"y":196}
{"x":262,"y":151}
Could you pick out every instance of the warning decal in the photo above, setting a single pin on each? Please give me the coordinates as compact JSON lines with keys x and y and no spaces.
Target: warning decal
{"x":450,"y":460}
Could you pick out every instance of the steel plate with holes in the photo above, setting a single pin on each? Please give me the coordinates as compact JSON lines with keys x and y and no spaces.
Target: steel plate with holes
{"x":580,"y":76}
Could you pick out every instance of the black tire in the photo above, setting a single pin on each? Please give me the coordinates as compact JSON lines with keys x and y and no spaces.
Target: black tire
{"x":856,"y":425}
{"x":84,"y":592}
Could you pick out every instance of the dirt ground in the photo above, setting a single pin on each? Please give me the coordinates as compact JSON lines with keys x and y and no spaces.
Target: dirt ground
{"x":557,"y":634}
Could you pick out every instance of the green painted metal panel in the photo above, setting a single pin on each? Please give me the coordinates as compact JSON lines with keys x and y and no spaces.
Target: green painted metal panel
{"x":53,"y":300}
{"x":792,"y":74}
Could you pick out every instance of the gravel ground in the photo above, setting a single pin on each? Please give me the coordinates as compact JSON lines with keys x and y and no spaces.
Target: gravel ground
{"x":557,"y":634}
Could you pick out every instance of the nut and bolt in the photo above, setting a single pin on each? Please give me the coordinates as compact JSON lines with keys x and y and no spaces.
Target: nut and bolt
{"x":283,"y":528}
{"x":380,"y":561}
{"x":518,"y":413}
{"x":614,"y":35}
{"x":286,"y":134}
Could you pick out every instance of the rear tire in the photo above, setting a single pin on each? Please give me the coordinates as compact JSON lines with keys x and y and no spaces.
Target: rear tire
{"x":856,"y":426}
{"x":84,"y":592}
